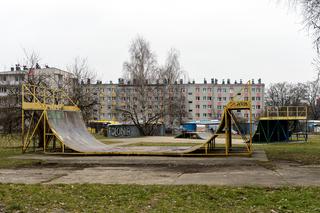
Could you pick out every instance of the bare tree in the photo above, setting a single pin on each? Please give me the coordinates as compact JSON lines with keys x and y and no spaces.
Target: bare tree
{"x":152,"y":96}
{"x":171,"y":72}
{"x":80,"y":88}
{"x":286,"y":94}
{"x":313,"y":93}
{"x":310,"y":10}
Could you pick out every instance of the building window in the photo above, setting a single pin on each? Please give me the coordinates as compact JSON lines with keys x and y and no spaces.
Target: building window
{"x":197,"y":106}
{"x":219,"y":107}
{"x":258,"y":90}
{"x":219,"y":99}
{"x":210,"y":115}
{"x":209,"y":106}
{"x":3,"y":90}
{"x":246,"y":98}
{"x":209,"y":98}
{"x":209,"y":89}
{"x":190,"y":102}
{"x":204,"y":98}
{"x":190,"y":93}
{"x":258,"y":107}
{"x":204,"y":106}
{"x":204,"y":89}
{"x":198,"y":115}
{"x":253,"y":98}
{"x":198,"y":98}
{"x":258,"y":98}
{"x":219,"y":90}
{"x":204,"y":114}
{"x":197,"y":90}
{"x":224,"y":90}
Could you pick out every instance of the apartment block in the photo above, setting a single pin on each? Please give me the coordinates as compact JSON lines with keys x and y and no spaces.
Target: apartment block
{"x":202,"y":101}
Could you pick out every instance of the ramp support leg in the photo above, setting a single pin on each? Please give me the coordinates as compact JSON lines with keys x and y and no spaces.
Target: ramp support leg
{"x":44,"y":133}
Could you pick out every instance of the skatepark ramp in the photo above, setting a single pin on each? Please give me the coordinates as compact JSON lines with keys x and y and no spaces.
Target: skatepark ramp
{"x":51,"y":120}
{"x":69,"y":128}
{"x":279,"y":124}
{"x":50,"y":116}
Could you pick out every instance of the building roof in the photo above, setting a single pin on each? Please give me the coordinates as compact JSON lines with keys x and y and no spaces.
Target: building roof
{"x":13,"y":72}
{"x":45,"y":70}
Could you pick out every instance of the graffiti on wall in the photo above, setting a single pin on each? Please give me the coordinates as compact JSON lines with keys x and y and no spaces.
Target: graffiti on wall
{"x":120,"y":131}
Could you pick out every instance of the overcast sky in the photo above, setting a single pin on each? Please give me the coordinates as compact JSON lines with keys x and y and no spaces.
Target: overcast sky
{"x":222,"y":39}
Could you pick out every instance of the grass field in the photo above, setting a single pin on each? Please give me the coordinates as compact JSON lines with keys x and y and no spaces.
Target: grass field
{"x":133,"y":198}
{"x":305,"y":152}
{"x":10,"y":145}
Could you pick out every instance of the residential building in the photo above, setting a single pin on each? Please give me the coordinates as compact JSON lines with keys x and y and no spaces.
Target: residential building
{"x":202,"y":101}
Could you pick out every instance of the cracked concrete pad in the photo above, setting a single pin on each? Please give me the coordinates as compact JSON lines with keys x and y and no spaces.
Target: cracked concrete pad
{"x":118,"y":175}
{"x":31,"y":175}
{"x":298,"y":175}
{"x":245,"y":176}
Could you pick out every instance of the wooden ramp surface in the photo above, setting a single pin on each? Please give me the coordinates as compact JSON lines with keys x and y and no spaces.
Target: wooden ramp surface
{"x":70,"y":129}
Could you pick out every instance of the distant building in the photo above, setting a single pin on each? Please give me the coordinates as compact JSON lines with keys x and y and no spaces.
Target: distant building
{"x":11,"y":82}
{"x":202,"y":101}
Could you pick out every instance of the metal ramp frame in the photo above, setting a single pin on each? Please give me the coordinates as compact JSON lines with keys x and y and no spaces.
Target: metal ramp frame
{"x":279,"y":122}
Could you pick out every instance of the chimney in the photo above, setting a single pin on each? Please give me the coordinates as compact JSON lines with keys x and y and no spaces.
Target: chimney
{"x":223,"y":81}
{"x":17,"y":67}
{"x":235,"y":82}
{"x":259,"y":81}
{"x":252,"y":81}
{"x":204,"y":81}
{"x":88,"y":81}
{"x":12,"y":68}
{"x":193,"y":81}
{"x":215,"y":81}
{"x":110,"y":82}
{"x":240,"y":81}
{"x":228,"y":81}
{"x":181,"y":81}
{"x":212,"y":80}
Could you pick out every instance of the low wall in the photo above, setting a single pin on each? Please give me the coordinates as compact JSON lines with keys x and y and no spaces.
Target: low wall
{"x":129,"y":131}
